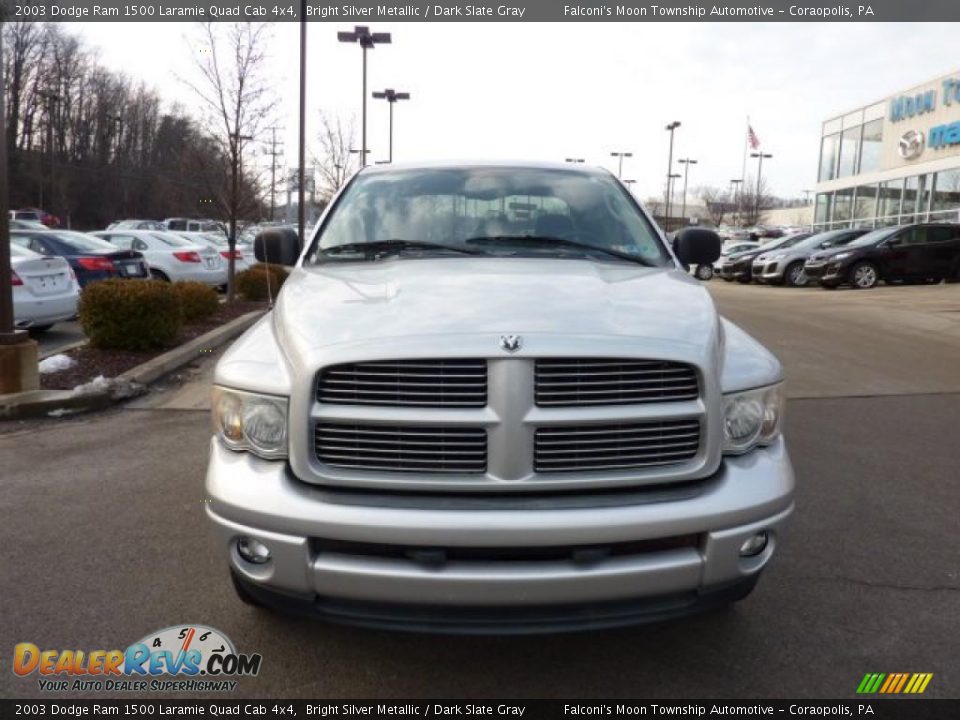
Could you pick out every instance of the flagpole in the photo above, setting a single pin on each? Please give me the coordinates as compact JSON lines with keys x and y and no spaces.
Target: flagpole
{"x":743,"y":174}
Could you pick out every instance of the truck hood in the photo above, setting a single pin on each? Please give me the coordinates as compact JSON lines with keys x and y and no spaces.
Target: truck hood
{"x":356,"y":302}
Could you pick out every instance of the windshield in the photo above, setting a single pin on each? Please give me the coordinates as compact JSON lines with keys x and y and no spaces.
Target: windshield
{"x":872,"y":238}
{"x":450,"y":206}
{"x":831,"y":238}
{"x":88,"y":243}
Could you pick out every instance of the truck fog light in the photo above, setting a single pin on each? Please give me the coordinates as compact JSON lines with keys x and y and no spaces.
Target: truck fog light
{"x":754,"y":545}
{"x":253,"y":551}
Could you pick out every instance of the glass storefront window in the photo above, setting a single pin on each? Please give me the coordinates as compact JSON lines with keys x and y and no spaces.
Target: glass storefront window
{"x":866,"y":202}
{"x":890,"y":194}
{"x":849,"y":151}
{"x":822,"y":210}
{"x":871,"y":146}
{"x":946,"y":191}
{"x":829,"y":151}
{"x":915,"y":196}
{"x":842,"y":205}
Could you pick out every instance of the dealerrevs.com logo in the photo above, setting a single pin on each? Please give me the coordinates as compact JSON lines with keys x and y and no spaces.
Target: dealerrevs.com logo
{"x":179,"y":658}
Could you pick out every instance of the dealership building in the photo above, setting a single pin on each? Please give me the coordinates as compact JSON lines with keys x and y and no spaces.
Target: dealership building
{"x":894,"y":161}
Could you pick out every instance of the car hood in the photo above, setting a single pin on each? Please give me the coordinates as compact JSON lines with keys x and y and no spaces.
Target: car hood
{"x":831,"y":252}
{"x":334,"y":304}
{"x":742,"y":255}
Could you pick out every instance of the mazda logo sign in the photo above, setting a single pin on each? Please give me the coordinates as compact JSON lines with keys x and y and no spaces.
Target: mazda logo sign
{"x":911,"y":144}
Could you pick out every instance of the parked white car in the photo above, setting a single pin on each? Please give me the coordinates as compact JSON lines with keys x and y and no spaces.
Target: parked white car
{"x":170,"y":256}
{"x":244,"y":253}
{"x":45,"y":289}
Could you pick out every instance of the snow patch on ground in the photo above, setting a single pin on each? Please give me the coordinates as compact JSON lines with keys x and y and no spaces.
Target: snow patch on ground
{"x":97,"y":384}
{"x":55,"y":363}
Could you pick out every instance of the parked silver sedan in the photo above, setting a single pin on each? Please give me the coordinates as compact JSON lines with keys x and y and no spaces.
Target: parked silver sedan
{"x":785,"y":266}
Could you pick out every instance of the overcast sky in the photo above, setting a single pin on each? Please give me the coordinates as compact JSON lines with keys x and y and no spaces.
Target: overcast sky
{"x":550,"y":91}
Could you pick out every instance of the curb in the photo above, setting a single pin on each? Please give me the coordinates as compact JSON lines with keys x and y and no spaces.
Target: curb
{"x":64,"y":348}
{"x":39,"y":403}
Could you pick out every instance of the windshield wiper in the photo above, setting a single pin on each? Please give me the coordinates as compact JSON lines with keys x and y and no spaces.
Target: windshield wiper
{"x":547,"y":240}
{"x":393,"y":246}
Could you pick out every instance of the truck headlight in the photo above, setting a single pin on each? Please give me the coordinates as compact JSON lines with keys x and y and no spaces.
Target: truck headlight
{"x":249,"y":421}
{"x":752,"y":418}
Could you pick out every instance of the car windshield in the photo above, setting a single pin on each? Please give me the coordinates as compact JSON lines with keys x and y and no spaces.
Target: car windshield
{"x":494,"y":211}
{"x":831,"y":238}
{"x":86,"y":243}
{"x":874,"y":237}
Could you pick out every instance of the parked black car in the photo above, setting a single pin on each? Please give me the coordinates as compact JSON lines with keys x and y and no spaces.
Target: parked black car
{"x":90,"y":257}
{"x":739,"y":266}
{"x":907,"y":253}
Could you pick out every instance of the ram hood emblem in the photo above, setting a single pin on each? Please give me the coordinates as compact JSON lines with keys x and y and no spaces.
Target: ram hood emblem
{"x":511,"y":343}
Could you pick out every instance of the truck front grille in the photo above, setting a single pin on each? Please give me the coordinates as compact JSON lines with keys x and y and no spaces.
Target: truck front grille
{"x":392,"y":448}
{"x":566,"y":382}
{"x":450,"y":383}
{"x":615,"y":447}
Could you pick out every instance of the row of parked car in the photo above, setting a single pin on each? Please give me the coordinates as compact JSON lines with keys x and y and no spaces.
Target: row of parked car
{"x":52,"y":266}
{"x":858,"y":257}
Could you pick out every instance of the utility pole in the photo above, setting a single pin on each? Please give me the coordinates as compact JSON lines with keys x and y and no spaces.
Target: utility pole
{"x":274,"y":153}
{"x":236,"y":150}
{"x":52,"y":98}
{"x":737,"y":194}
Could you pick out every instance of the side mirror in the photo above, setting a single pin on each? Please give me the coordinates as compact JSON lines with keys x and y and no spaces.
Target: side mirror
{"x":279,"y":246}
{"x":696,"y":246}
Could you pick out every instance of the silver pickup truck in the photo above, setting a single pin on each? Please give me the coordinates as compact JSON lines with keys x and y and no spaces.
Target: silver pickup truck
{"x":489,"y":399}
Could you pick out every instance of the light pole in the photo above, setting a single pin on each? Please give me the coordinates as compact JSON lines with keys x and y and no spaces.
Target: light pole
{"x":52,"y":98}
{"x":302,"y":134}
{"x":686,"y":162}
{"x":670,"y":128}
{"x":806,"y":196}
{"x":736,"y":182}
{"x":670,"y":178}
{"x":620,"y":155}
{"x":573,"y":160}
{"x":368,"y":40}
{"x":756,"y":204}
{"x":391,"y":96}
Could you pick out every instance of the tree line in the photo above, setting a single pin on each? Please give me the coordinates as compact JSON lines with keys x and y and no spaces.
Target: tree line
{"x":90,"y":145}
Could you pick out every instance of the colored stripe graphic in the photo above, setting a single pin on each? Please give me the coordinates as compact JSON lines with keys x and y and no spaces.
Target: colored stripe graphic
{"x":894,"y":683}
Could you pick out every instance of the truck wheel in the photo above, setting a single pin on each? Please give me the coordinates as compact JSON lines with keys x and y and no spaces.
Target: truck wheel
{"x":794,"y":276}
{"x":864,"y":275}
{"x":703,"y":272}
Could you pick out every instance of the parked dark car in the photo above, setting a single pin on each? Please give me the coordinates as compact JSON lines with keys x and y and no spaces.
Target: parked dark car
{"x":91,"y":258}
{"x":739,"y":266}
{"x":907,"y":253}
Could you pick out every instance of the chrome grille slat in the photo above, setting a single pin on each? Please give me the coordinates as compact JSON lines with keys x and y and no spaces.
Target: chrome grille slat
{"x":393,"y":448}
{"x":566,"y":382}
{"x":442,"y":383}
{"x":616,"y":447}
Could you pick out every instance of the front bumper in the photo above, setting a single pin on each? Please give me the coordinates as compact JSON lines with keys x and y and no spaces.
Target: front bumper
{"x":380,"y":559}
{"x":831,"y":272}
{"x":768,"y":271}
{"x":737,"y":271}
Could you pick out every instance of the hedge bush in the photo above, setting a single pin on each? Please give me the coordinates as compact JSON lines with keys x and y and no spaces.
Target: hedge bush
{"x":252,"y":283}
{"x":130,"y":315}
{"x":197,"y":301}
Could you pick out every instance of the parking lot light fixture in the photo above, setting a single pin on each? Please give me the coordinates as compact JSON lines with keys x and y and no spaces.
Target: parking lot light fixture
{"x":367,"y":40}
{"x":686,"y":162}
{"x":671,"y":127}
{"x":391,"y":96}
{"x":760,"y":156}
{"x":620,"y":155}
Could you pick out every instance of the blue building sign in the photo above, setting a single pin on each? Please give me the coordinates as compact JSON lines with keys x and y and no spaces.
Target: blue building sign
{"x":908,"y":106}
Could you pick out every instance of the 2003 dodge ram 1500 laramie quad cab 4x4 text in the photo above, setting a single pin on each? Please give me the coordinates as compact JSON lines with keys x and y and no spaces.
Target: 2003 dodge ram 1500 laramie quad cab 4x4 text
{"x":489,"y":399}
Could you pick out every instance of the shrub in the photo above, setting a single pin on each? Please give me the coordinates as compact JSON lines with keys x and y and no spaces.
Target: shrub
{"x":130,"y":314}
{"x":252,"y":283}
{"x":197,"y":301}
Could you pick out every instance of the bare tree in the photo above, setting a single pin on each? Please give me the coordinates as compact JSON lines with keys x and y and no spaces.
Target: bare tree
{"x":237,"y":103}
{"x":717,"y":202}
{"x":335,"y":163}
{"x":754,"y":201}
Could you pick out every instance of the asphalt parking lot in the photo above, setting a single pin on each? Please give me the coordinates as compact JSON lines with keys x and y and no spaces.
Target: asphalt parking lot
{"x":104,"y":538}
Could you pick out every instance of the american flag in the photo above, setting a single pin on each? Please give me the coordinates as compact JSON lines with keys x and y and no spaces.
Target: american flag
{"x":752,"y":138}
